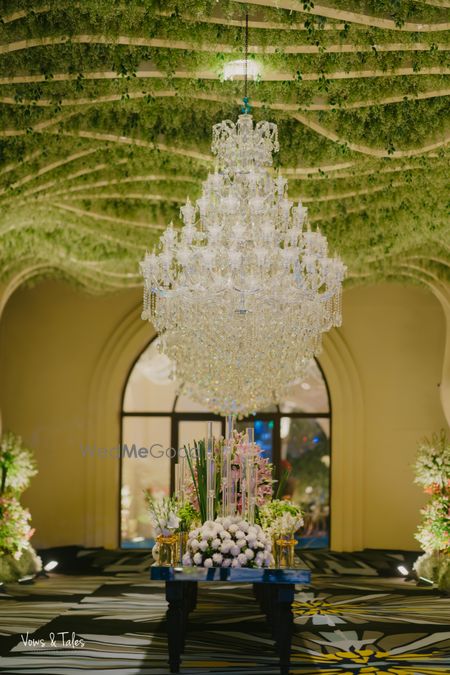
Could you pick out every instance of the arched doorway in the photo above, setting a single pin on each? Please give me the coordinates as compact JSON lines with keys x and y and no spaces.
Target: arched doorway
{"x":155,"y":421}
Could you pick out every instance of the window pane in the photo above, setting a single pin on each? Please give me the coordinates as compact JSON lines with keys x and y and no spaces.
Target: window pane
{"x":263,"y":434}
{"x":138,"y":474}
{"x":308,"y":395}
{"x":194,"y":430}
{"x":185,"y":404}
{"x":149,"y":387}
{"x":305,"y":450}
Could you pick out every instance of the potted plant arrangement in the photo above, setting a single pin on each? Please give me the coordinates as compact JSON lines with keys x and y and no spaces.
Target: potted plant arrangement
{"x":223,"y":513}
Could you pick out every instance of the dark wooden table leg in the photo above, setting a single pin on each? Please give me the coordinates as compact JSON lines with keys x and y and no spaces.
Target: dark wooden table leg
{"x":176,"y":620}
{"x":283,"y":597}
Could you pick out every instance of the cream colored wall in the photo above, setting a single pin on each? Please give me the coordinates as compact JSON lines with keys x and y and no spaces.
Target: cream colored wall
{"x":397,"y":338}
{"x":51,"y":338}
{"x":64,"y":356}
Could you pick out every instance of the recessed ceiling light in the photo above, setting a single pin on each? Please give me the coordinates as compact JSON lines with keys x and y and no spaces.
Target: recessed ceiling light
{"x":305,"y":385}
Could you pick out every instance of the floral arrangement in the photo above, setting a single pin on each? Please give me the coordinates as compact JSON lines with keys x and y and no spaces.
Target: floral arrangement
{"x":223,"y":514}
{"x":15,"y":528}
{"x":434,"y":531}
{"x":163,"y":513}
{"x":228,"y":542}
{"x":281,"y":517}
{"x":197,"y":482}
{"x":17,"y":465}
{"x":432,"y":468}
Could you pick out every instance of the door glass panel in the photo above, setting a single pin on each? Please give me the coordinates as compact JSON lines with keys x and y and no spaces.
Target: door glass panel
{"x":186,"y":404}
{"x":190,"y":430}
{"x":309,"y":394}
{"x":149,"y":436}
{"x":149,"y":386}
{"x":263,"y":434}
{"x":305,"y":451}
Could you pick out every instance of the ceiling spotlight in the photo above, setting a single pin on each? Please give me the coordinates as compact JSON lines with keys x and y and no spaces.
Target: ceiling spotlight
{"x":306,"y":386}
{"x":234,"y":69}
{"x":403,"y":570}
{"x":51,"y":565}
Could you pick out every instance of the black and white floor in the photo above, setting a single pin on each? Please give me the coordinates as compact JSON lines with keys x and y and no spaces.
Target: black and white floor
{"x":359,"y":617}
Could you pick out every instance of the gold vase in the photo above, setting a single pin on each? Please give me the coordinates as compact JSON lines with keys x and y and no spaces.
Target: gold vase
{"x":284,"y":547}
{"x":182,"y":538}
{"x":167,"y":549}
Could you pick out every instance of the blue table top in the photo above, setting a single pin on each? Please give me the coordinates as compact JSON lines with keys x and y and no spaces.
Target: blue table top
{"x":244,"y":575}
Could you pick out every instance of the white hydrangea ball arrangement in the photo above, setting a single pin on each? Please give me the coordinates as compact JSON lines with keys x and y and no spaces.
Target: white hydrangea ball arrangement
{"x":228,"y":542}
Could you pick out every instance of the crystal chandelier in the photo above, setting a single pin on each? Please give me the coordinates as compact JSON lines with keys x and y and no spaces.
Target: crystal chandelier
{"x":243,"y":292}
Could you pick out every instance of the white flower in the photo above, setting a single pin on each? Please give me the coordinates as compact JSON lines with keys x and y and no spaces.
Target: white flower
{"x":194,"y":544}
{"x":187,"y":560}
{"x":217,"y":558}
{"x":259,"y":556}
{"x":235,"y":563}
{"x":209,"y":524}
{"x":226,"y":562}
{"x":208,"y":562}
{"x":215,"y":543}
{"x":242,"y":558}
{"x":226,"y":522}
{"x":243,"y":525}
{"x":224,"y":535}
{"x":203,"y":545}
{"x":235,"y":550}
{"x":198,"y":558}
{"x":225,"y":546}
{"x":268,"y":558}
{"x":239,"y":534}
{"x":241,"y":543}
{"x":173,"y":521}
{"x":155,"y":552}
{"x":233,"y":528}
{"x":249,"y":553}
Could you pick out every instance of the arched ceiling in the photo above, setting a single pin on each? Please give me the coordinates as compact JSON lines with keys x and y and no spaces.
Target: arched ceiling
{"x":106,"y":111}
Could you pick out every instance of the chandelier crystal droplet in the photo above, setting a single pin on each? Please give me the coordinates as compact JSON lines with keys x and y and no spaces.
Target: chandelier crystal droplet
{"x":243,"y":292}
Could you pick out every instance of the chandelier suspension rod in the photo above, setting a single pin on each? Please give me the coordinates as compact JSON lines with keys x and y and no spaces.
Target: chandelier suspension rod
{"x":246,"y":58}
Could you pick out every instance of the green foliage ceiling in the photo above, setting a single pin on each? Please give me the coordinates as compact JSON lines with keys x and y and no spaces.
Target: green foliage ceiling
{"x":106,"y":111}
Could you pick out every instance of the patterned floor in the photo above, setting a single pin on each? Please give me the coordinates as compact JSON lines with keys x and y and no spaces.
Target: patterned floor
{"x":353,"y":621}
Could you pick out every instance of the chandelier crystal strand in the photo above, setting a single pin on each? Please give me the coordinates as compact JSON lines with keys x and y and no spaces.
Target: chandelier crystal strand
{"x":245,"y":289}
